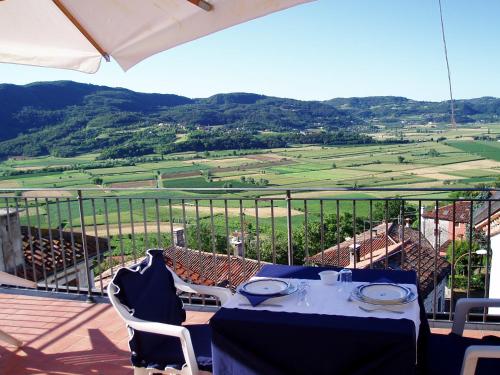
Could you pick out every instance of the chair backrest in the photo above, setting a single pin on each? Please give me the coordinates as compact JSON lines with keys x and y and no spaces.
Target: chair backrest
{"x":147,"y":291}
{"x":464,"y":305}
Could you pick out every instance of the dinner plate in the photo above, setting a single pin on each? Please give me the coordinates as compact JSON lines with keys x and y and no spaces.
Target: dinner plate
{"x":395,"y":297}
{"x":266,"y":287}
{"x":383,"y":292}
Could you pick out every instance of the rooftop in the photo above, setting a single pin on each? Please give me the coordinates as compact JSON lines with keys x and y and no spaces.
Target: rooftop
{"x":377,"y":248}
{"x":481,"y":215}
{"x":48,"y":251}
{"x":202,"y":267}
{"x":462,"y":212}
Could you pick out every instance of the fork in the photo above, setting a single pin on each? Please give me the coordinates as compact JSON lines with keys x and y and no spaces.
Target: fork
{"x":380,"y":309}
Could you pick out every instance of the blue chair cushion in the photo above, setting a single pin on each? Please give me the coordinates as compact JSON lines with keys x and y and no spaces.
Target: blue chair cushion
{"x":445,"y":354}
{"x":149,"y":292}
{"x":201,"y":337}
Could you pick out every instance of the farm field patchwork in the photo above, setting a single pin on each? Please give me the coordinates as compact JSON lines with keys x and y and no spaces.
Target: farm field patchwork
{"x":458,"y":163}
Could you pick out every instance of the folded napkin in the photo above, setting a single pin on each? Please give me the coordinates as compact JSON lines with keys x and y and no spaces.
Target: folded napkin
{"x":257,"y":300}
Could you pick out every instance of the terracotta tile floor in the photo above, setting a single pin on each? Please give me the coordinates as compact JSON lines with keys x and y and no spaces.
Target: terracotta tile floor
{"x":74,"y":338}
{"x":66,"y":337}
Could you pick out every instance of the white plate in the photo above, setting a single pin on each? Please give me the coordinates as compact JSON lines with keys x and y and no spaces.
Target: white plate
{"x":356,"y":296}
{"x":266,"y":287}
{"x":383,"y":293}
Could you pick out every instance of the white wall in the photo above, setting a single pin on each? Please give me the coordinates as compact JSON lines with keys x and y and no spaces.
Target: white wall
{"x":11,"y":246}
{"x":82,"y":277}
{"x":494,"y":287}
{"x":428,"y":228}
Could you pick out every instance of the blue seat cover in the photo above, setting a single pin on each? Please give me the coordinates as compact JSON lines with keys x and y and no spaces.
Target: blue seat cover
{"x":148,"y":291}
{"x":445,"y":354}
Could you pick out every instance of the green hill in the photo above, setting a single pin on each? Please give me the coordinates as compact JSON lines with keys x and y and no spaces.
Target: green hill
{"x":68,"y":118}
{"x":65,"y":118}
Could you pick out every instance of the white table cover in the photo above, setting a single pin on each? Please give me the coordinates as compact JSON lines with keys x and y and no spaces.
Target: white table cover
{"x":328,"y":300}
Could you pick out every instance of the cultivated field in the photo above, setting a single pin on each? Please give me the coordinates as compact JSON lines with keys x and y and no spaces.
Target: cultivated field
{"x":435,"y":157}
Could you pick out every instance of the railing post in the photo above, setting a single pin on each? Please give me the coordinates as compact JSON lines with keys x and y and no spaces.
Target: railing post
{"x":90,"y":298}
{"x":289,"y":227}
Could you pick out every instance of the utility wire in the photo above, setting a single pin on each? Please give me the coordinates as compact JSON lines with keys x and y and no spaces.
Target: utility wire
{"x":453,"y":122}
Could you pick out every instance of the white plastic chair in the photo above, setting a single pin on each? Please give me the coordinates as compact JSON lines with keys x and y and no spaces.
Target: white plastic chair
{"x":191,"y":366}
{"x":454,"y":354}
{"x":473,"y":352}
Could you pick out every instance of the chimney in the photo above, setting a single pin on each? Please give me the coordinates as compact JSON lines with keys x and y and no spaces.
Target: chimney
{"x":179,"y":237}
{"x":407,"y":221}
{"x":238,"y":248}
{"x":354,"y":252}
{"x":11,"y":244}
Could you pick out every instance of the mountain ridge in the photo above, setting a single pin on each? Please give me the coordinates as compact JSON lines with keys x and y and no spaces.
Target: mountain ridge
{"x":64,"y":114}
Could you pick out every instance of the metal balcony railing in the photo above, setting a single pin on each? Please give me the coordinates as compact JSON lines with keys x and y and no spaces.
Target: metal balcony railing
{"x":73,"y":241}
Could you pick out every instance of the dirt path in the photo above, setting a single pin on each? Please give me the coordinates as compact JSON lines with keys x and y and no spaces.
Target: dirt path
{"x":134,"y":184}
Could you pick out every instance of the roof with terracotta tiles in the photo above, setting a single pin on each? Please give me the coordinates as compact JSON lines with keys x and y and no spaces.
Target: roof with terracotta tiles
{"x":383,"y":251}
{"x":367,"y":241}
{"x":462,"y":212}
{"x":200,"y":267}
{"x":48,"y":252}
{"x":419,"y":256}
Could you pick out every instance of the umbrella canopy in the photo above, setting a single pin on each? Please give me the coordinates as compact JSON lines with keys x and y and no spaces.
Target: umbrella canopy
{"x":76,"y":34}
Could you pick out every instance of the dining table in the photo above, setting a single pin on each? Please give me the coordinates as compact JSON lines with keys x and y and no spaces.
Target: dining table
{"x":331,"y":333}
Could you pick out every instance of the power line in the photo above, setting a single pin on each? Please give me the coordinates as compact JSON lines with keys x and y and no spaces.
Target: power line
{"x":453,"y":122}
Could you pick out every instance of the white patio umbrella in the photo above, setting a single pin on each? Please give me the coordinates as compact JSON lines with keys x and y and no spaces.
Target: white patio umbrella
{"x":76,"y":34}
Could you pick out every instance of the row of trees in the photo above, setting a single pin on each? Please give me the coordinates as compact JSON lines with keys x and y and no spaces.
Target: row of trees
{"x":253,"y":181}
{"x":217,"y":139}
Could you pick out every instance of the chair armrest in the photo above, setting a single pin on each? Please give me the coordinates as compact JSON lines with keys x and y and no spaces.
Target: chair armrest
{"x":155,"y":327}
{"x":473,"y":353}
{"x":222,"y":293}
{"x":464,"y":305}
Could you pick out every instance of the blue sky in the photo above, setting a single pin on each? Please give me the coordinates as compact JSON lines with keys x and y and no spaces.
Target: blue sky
{"x":321,"y":50}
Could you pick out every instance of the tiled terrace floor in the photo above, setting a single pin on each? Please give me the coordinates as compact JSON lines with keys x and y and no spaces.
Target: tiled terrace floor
{"x":66,"y":337}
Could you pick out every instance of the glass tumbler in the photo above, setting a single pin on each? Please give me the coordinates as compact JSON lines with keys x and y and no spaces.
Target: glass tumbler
{"x":345,"y":275}
{"x":302,"y":294}
{"x":345,"y":280}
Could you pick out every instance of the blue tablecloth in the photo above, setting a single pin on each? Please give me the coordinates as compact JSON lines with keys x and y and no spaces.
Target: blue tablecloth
{"x":248,"y":342}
